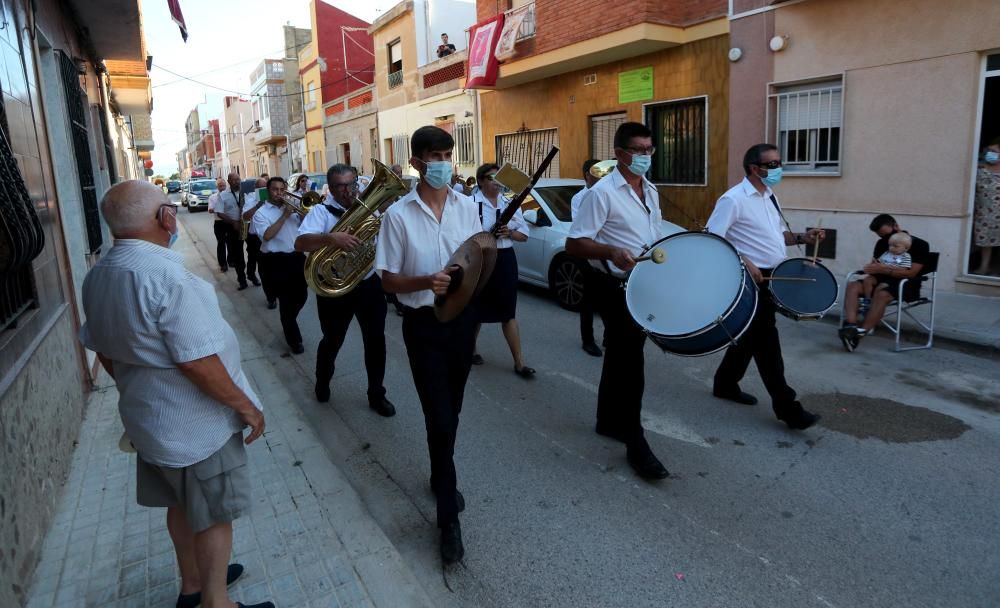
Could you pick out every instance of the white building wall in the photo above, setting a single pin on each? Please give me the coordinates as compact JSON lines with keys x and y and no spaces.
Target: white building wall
{"x":407,"y":119}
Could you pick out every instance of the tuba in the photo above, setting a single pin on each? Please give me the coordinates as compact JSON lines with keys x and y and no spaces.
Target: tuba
{"x":332,"y":272}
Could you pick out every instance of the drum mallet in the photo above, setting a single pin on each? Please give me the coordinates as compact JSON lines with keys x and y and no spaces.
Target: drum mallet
{"x":657,"y":255}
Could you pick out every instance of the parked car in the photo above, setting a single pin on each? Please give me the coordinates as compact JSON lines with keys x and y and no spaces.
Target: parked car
{"x":317,"y":179}
{"x":542,"y":259}
{"x":197,"y":198}
{"x":173,"y":186}
{"x":185,"y":189}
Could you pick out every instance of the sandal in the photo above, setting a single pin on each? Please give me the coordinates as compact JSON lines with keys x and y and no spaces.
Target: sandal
{"x":525,"y":372}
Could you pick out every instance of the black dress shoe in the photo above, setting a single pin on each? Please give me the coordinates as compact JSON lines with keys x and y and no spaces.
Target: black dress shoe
{"x":297,"y":349}
{"x":224,"y":269}
{"x":272,"y":304}
{"x":644,"y":462}
{"x":190,"y":600}
{"x":798,"y":418}
{"x":593,"y":349}
{"x":255,"y":281}
{"x":322,"y":392}
{"x":452,"y":549}
{"x":477,"y":360}
{"x":609,"y":431}
{"x":242,"y":286}
{"x":738,"y":396}
{"x":460,"y":501}
{"x":382,"y":407}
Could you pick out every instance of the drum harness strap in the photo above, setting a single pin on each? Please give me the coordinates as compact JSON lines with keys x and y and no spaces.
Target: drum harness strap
{"x":787,"y":225}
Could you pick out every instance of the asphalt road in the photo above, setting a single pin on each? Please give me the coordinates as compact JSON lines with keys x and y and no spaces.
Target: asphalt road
{"x":892,"y":500}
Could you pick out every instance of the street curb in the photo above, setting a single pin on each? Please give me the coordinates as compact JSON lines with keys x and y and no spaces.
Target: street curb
{"x":376,"y":561}
{"x":945,"y":338}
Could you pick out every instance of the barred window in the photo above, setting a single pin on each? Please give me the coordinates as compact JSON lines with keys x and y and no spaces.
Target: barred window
{"x":527,"y":149}
{"x":465,"y":143}
{"x":680,"y":134}
{"x":805,"y":124}
{"x":602,"y":134}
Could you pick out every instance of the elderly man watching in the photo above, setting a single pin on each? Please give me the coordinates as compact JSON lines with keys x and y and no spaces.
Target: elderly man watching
{"x":183,"y":398}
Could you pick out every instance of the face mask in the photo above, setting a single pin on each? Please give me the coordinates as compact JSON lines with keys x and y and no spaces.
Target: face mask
{"x":992,"y":157}
{"x":173,"y":239}
{"x":773,"y":177}
{"x":437,"y":174}
{"x":640,"y":163}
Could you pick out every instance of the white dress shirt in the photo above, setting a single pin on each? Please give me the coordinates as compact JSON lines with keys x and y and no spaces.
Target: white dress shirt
{"x":413,"y":243}
{"x":615,"y":216}
{"x":212,"y":201}
{"x":284,"y":241}
{"x":227,"y":204}
{"x":459,"y":187}
{"x":574,"y":203}
{"x":319,"y":220}
{"x":489,"y":215}
{"x":147,"y":313}
{"x":250,"y":201}
{"x":748,"y":219}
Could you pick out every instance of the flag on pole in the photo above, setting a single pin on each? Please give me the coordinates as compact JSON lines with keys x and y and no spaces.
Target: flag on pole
{"x":178,"y":17}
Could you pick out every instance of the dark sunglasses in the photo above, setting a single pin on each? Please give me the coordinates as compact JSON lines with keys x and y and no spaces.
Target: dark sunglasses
{"x":774,"y":164}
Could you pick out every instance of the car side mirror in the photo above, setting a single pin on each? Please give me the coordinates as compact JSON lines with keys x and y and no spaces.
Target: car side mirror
{"x":531,"y":217}
{"x":542,"y":219}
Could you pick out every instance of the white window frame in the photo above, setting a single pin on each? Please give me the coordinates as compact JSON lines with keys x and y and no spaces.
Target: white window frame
{"x":705,"y":160}
{"x":772,"y":120}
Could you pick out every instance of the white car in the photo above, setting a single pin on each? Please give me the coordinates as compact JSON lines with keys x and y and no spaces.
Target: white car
{"x":542,"y":259}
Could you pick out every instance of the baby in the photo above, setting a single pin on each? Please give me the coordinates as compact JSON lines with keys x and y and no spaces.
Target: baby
{"x":896,"y":255}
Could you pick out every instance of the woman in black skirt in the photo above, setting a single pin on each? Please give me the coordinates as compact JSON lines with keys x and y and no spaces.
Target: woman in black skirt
{"x":498,"y":300}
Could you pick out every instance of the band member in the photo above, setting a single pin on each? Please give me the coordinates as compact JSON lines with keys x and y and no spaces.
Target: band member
{"x":281,"y":267}
{"x":497,"y":302}
{"x":748,"y":216}
{"x":250,"y":208}
{"x":618,"y":220}
{"x":220,"y":226}
{"x":586,"y":303}
{"x":366,"y":301}
{"x":229,"y":209}
{"x":419,"y":234}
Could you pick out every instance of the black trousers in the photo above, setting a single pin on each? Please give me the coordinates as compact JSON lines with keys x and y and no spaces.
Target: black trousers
{"x":619,"y":396}
{"x":220,"y":243}
{"x":367,"y":303}
{"x":587,"y":305}
{"x":253,"y":255}
{"x":234,"y":246}
{"x":760,"y":342}
{"x":440,"y":357}
{"x":282,"y":273}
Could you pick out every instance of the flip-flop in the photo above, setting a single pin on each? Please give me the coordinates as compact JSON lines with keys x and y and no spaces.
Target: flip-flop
{"x":525,"y":372}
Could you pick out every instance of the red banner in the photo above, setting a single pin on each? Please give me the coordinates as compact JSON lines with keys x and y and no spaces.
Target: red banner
{"x":178,"y":17}
{"x":483,"y":64}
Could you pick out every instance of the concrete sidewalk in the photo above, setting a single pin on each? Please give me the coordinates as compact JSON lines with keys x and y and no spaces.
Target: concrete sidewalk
{"x":308,"y":541}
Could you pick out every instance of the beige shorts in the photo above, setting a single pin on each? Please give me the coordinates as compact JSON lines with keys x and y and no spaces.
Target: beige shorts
{"x":213,"y":491}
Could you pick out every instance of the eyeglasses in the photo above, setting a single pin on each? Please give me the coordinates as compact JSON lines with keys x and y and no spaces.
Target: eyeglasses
{"x":647,"y":151}
{"x":774,"y":164}
{"x":347,"y":185}
{"x":491,"y":177}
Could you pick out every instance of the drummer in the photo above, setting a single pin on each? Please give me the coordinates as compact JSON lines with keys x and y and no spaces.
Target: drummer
{"x":618,"y":220}
{"x":748,"y":216}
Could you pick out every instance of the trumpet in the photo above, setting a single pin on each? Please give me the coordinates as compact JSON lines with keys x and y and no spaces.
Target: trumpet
{"x":308,"y":200}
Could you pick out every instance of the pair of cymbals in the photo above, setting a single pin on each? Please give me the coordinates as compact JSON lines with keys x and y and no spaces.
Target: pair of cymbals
{"x":472,"y":265}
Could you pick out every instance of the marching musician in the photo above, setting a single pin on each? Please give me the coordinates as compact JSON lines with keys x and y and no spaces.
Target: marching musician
{"x":229,"y":209}
{"x":282,"y":267}
{"x":220,"y":226}
{"x":748,"y":216}
{"x":250,"y":208}
{"x":586,"y":304}
{"x":497,"y":302}
{"x":366,"y":301}
{"x":419,"y":234}
{"x":618,"y":219}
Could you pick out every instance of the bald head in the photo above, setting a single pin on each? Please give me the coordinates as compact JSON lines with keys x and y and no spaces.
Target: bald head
{"x":234,"y":182}
{"x":398,"y":170}
{"x":130,"y":208}
{"x":261,"y":182}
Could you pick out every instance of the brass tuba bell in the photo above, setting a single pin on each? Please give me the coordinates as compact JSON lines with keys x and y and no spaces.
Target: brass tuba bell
{"x":603,"y":168}
{"x":332,"y":272}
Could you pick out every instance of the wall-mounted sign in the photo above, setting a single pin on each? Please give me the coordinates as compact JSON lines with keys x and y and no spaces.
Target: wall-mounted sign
{"x":635,"y":85}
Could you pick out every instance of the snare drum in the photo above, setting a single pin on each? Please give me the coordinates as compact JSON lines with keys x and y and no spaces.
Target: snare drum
{"x":803,"y":300}
{"x":699,"y":301}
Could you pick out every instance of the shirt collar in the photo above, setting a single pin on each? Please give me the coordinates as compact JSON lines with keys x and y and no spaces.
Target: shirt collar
{"x":333,"y":202}
{"x":450,"y":199}
{"x":150,"y":248}
{"x":749,"y":190}
{"x":620,"y":182}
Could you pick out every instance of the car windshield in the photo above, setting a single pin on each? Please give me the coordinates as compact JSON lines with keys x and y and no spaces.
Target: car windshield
{"x":558,"y":199}
{"x":173,"y":184}
{"x":204,"y":184}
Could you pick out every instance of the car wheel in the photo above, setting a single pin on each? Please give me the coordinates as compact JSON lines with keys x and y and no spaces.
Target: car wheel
{"x":566,"y":282}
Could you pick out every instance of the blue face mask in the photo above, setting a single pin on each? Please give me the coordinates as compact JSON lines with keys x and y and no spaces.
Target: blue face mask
{"x":173,"y":239}
{"x":640,"y":164}
{"x":773,"y":177}
{"x":992,"y":157}
{"x":437,"y":174}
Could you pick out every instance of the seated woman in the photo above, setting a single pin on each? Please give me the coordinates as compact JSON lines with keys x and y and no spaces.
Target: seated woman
{"x":498,"y":300}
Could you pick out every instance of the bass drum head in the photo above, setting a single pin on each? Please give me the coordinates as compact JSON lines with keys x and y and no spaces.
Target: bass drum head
{"x":697,"y":284}
{"x":803,"y":299}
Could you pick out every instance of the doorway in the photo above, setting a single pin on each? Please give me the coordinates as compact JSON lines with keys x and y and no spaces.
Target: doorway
{"x":984,"y":254}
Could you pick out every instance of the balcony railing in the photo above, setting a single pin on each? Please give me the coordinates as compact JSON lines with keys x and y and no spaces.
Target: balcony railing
{"x":395,"y":79}
{"x":527,"y":29}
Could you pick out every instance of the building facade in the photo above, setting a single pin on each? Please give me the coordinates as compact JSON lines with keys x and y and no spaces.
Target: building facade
{"x":351,"y":130}
{"x":571,"y":82}
{"x":237,"y":144}
{"x":76,"y":98}
{"x":887,"y":113}
{"x":295,"y":39}
{"x":415,"y":88}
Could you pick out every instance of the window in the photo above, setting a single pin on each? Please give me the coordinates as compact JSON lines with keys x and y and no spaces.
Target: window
{"x":602,"y":134}
{"x":311,"y":94}
{"x":526,"y":150}
{"x":400,"y":148}
{"x":465,"y":143}
{"x":680,"y":134}
{"x":395,"y":64}
{"x":317,"y":161}
{"x":75,"y":102}
{"x":390,"y":154}
{"x":805,"y":123}
{"x":345,"y":153}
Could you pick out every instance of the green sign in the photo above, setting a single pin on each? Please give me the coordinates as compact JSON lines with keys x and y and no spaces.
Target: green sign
{"x":635,"y":85}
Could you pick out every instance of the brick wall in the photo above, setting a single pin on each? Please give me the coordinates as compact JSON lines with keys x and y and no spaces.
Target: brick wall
{"x":336,"y":108}
{"x":359,"y":100}
{"x":449,"y":72}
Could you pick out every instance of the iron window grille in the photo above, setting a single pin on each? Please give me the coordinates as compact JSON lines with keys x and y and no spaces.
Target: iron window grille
{"x":680,"y":134}
{"x":526,"y":149}
{"x":805,"y":122}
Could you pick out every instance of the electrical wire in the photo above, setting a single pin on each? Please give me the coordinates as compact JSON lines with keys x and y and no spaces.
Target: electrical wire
{"x":212,"y":71}
{"x":369,"y":69}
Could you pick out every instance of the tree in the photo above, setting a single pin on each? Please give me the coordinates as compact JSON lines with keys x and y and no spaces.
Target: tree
{"x":175,"y":176}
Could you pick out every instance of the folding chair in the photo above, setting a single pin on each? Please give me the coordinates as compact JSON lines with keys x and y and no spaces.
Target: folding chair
{"x":900,"y":306}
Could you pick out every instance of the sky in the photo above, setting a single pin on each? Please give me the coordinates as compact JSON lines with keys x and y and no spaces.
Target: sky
{"x":227,"y":39}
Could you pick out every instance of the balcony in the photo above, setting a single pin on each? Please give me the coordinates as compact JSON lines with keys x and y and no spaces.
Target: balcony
{"x":395,"y":79}
{"x":527,"y":29}
{"x":130,"y":86}
{"x":443,"y":75}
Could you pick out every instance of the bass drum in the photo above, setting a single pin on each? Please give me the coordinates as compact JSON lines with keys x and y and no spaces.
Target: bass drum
{"x":699,"y":301}
{"x":803,"y":300}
